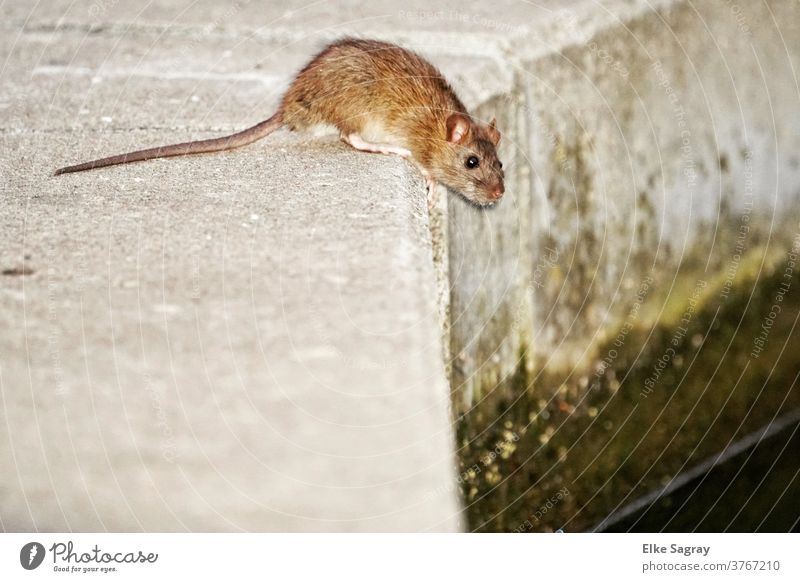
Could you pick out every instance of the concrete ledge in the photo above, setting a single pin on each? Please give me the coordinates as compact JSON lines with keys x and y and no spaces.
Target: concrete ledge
{"x":234,"y":342}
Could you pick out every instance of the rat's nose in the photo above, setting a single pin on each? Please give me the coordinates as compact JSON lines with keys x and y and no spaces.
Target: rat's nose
{"x":497,"y":193}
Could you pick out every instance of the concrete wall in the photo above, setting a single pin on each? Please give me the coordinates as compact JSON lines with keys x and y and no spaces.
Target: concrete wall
{"x":645,"y":135}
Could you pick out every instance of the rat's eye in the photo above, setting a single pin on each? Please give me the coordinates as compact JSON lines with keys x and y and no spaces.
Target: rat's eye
{"x":472,"y":162}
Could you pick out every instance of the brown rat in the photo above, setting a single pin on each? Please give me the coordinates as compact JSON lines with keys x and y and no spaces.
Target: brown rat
{"x":381,"y":98}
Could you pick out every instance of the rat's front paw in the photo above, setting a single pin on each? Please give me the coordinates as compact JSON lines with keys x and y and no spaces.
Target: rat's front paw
{"x":432,"y":193}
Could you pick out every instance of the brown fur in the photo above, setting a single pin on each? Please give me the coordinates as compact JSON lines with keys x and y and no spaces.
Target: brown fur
{"x":353,"y":82}
{"x":359,"y":85}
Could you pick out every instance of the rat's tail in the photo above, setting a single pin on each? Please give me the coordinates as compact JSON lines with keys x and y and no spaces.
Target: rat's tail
{"x":216,"y":144}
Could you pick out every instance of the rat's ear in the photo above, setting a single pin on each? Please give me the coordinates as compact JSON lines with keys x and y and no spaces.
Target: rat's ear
{"x":458,"y":126}
{"x":494,"y":135}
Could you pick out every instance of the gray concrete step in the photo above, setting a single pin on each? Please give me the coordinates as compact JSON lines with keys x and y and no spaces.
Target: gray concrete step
{"x":238,"y":342}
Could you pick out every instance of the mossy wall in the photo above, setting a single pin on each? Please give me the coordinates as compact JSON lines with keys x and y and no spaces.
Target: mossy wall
{"x":604,"y":319}
{"x":675,"y":393}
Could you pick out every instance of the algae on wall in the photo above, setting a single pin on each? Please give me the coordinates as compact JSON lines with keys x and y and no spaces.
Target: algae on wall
{"x":663,"y":193}
{"x":574,"y":447}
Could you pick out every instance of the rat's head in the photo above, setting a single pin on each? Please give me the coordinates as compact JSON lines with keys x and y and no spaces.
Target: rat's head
{"x":471,"y":165}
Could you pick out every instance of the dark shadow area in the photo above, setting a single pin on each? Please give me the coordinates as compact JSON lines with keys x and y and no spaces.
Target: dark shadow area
{"x":756,"y":491}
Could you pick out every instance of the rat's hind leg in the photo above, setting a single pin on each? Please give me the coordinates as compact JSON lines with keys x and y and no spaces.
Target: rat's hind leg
{"x":357,"y":142}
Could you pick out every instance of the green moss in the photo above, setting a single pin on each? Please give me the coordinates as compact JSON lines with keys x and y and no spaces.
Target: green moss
{"x":604,"y":436}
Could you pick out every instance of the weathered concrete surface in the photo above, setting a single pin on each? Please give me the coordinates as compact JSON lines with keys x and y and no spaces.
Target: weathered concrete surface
{"x":646,"y":132}
{"x":297,"y":18}
{"x":242,"y":342}
{"x":239,"y":343}
{"x":653,"y":145}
